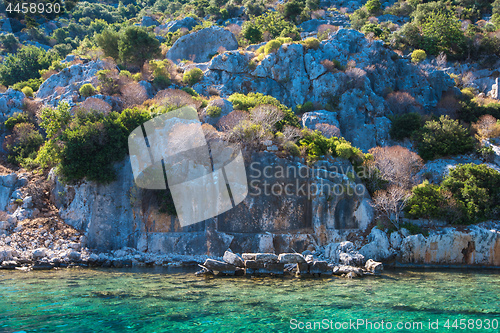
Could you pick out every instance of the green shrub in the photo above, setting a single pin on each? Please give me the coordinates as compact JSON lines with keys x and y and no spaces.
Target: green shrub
{"x":108,"y":83}
{"x":15,"y":119}
{"x":272,"y":46}
{"x":426,"y":201}
{"x":26,"y":142}
{"x":250,"y":101}
{"x":443,"y":138}
{"x":27,"y":91}
{"x":25,"y":65}
{"x":251,"y":32}
{"x":190,"y":91}
{"x":405,"y":126}
{"x":291,"y":148}
{"x":476,"y":189}
{"x":192,"y":76}
{"x":87,"y":90}
{"x":317,"y":145}
{"x":273,"y":23}
{"x":311,"y":43}
{"x":373,"y":6}
{"x":374,"y":28}
{"x":214,"y":111}
{"x":306,"y":107}
{"x":34,"y":84}
{"x":414,"y":229}
{"x":359,"y":18}
{"x":441,"y":33}
{"x":161,"y":76}
{"x":418,"y":56}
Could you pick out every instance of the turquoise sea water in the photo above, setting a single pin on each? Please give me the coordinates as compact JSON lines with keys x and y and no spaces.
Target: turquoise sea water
{"x":161,"y":300}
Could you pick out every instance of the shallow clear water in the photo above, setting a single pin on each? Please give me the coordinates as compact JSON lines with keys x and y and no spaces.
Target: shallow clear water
{"x":156,"y":300}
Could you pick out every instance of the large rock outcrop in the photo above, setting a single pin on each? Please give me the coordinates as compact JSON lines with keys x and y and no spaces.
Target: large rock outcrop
{"x":64,"y":85}
{"x":294,"y":75}
{"x":200,"y":45}
{"x":266,"y":221}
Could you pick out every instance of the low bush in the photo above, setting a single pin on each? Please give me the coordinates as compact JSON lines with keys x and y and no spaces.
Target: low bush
{"x":291,"y":148}
{"x":15,"y":119}
{"x":443,"y":137}
{"x":34,"y":84}
{"x":192,"y":76}
{"x":427,"y":201}
{"x":272,"y":46}
{"x":476,"y":190}
{"x":160,"y":73}
{"x":27,"y":91}
{"x":405,"y":126}
{"x":311,"y":43}
{"x":418,"y":56}
{"x":373,"y":6}
{"x":87,"y":90}
{"x":317,"y":145}
{"x":214,"y":111}
{"x":252,"y":100}
{"x":23,"y":143}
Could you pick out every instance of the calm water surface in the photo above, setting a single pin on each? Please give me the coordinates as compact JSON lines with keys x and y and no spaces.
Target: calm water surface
{"x":161,"y":300}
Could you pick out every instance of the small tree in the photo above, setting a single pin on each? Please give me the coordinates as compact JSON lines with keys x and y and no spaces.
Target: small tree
{"x":391,"y":202}
{"x":136,"y":46}
{"x":108,"y":42}
{"x":373,"y":6}
{"x":444,"y":137}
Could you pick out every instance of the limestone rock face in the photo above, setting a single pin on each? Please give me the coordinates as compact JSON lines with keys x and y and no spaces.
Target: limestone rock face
{"x":480,"y":246}
{"x":295,"y":75}
{"x":186,"y":23}
{"x":64,"y":85}
{"x":379,"y":247}
{"x":311,"y":119}
{"x":118,"y":214}
{"x":199,"y":45}
{"x":11,"y":102}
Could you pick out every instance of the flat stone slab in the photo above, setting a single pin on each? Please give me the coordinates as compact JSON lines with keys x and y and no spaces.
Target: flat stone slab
{"x":291,"y":258}
{"x":233,"y":259}
{"x":340,"y":270}
{"x":320,"y":267}
{"x":219,"y":266}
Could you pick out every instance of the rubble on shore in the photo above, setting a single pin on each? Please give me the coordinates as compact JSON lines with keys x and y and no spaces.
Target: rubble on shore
{"x":303,"y":265}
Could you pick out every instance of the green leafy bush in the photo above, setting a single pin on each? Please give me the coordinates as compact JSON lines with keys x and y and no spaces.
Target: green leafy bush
{"x":15,"y":119}
{"x":306,"y":107}
{"x":190,"y":91}
{"x":250,"y":101}
{"x":441,"y":33}
{"x":426,"y":201}
{"x":26,"y":141}
{"x":291,"y":148}
{"x":25,"y":65}
{"x":192,"y":76}
{"x":27,"y":91}
{"x":251,"y":32}
{"x":405,"y":126}
{"x":271,"y":22}
{"x":373,"y":6}
{"x":476,"y":189}
{"x":418,"y":56}
{"x":87,"y":90}
{"x":214,"y":111}
{"x":443,"y":138}
{"x":161,"y":76}
{"x":317,"y":145}
{"x":272,"y":46}
{"x":34,"y":84}
{"x":311,"y":43}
